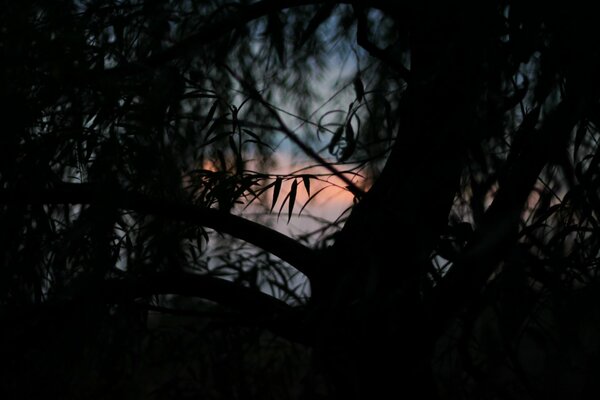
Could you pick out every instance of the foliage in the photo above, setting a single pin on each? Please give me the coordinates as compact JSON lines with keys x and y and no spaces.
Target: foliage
{"x":143,"y":161}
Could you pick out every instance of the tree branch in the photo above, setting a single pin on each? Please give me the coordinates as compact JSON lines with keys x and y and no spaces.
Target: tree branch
{"x":295,"y":139}
{"x":498,"y":230}
{"x":284,"y":247}
{"x":255,"y":307}
{"x":263,"y":309}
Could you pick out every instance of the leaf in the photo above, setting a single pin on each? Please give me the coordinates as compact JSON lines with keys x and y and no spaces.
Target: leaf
{"x":306,"y":181}
{"x":292,"y":200}
{"x":276,"y":190}
{"x":359,"y":88}
{"x":336,"y":138}
{"x":257,"y":139}
{"x":210,"y":115}
{"x":216,"y":123}
{"x":257,"y":194}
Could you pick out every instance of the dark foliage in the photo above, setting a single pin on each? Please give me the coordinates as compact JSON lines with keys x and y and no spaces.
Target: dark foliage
{"x":140,"y":173}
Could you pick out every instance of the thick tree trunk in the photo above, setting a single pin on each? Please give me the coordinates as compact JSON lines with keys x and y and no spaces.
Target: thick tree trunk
{"x":376,"y":331}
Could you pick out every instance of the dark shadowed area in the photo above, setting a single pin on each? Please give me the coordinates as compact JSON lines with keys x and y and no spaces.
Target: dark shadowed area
{"x":294,"y":199}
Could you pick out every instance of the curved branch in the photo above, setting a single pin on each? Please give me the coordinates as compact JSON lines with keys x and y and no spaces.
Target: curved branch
{"x":254,"y":306}
{"x":498,"y":230}
{"x":263,"y":309}
{"x":280,"y":245}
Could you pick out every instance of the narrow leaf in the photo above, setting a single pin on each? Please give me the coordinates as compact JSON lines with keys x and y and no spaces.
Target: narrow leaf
{"x":283,"y":203}
{"x":276,"y":190}
{"x":216,"y":123}
{"x":256,"y":137}
{"x":293,"y":192}
{"x":257,"y":194}
{"x":336,"y":138}
{"x":210,"y":115}
{"x":306,"y":181}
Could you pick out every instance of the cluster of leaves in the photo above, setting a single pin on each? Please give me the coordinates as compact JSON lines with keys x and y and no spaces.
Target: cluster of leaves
{"x":141,"y":97}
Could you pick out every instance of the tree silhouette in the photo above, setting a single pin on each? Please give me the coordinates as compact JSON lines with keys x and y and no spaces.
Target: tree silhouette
{"x":140,"y":170}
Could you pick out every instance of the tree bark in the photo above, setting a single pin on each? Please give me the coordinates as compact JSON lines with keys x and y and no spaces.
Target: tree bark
{"x":377,"y":330}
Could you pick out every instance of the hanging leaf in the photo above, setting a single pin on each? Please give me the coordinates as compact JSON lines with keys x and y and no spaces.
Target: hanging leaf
{"x":359,"y":88}
{"x":276,"y":190}
{"x":335,"y":139}
{"x":210,"y":115}
{"x":216,"y":123}
{"x":292,"y":200}
{"x":306,"y":181}
{"x":257,"y":194}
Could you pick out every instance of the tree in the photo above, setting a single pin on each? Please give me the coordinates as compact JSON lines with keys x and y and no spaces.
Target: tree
{"x":138,"y":134}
